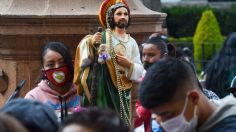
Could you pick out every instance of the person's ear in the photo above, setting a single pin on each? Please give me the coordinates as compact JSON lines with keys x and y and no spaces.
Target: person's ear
{"x":194,"y":96}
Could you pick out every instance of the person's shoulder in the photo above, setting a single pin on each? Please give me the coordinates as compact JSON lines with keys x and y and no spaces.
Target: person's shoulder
{"x":229,"y":100}
{"x":32,"y":94}
{"x":226,"y":115}
{"x":131,"y":38}
{"x":227,"y":125}
{"x":132,"y":41}
{"x":85,"y":39}
{"x":72,"y":91}
{"x":36,"y":91}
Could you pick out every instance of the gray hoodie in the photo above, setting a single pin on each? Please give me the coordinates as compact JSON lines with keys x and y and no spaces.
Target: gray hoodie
{"x":223,"y":118}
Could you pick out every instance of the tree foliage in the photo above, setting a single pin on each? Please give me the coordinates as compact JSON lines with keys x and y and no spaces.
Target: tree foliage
{"x":207,"y":38}
{"x":182,"y":20}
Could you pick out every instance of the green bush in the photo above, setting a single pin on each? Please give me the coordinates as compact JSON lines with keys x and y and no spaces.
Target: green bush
{"x":207,"y":34}
{"x":182,"y":42}
{"x":182,"y":21}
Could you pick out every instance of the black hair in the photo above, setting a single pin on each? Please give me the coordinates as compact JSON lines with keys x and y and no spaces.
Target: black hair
{"x":98,"y":120}
{"x":171,"y":50}
{"x":111,"y":12}
{"x":163,"y":80}
{"x":184,"y":54}
{"x":10,"y":124}
{"x":34,"y":115}
{"x":222,"y":69}
{"x":63,"y":51}
{"x":156,"y":40}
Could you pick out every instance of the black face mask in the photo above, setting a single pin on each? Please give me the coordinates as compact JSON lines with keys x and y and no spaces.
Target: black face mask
{"x":146,"y":65}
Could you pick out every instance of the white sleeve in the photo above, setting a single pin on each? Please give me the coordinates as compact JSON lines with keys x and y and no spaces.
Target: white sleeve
{"x":84,"y":53}
{"x":137,"y":64}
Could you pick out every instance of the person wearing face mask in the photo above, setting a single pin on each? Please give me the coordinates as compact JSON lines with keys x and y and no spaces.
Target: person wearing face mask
{"x":153,"y":50}
{"x":55,"y":87}
{"x":171,"y":91}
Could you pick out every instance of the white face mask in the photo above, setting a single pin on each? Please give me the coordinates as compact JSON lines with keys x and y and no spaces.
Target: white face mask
{"x":179,"y":123}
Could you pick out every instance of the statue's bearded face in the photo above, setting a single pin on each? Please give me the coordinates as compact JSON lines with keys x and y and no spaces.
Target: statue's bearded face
{"x":118,"y":16}
{"x":121,"y":17}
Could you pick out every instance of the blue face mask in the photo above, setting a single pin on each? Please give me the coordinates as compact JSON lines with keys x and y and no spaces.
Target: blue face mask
{"x":179,"y":123}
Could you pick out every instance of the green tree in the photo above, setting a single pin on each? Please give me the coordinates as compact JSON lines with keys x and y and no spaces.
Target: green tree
{"x":207,"y":35}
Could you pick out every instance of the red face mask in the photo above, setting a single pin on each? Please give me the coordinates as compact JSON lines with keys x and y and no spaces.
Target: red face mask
{"x":58,"y":76}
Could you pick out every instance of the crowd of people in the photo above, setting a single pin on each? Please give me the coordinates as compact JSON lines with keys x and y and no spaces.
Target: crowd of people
{"x":94,"y":93}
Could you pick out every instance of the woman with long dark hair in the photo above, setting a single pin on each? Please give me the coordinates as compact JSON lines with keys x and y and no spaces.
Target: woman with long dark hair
{"x":56,"y":87}
{"x":222,"y":69}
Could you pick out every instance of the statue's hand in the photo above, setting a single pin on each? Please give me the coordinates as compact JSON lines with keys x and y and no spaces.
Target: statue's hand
{"x":123,"y":60}
{"x":97,"y":38}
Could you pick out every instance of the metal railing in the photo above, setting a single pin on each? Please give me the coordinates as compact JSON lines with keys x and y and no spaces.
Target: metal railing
{"x":205,"y":47}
